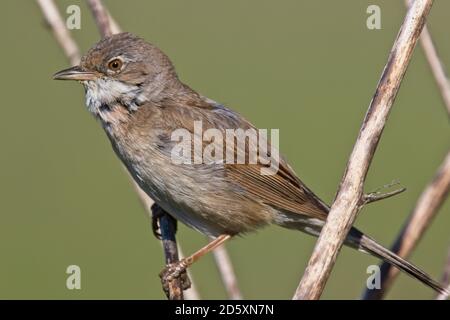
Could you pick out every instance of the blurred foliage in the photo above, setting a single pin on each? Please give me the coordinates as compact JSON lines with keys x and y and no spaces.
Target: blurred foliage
{"x":308,"y":68}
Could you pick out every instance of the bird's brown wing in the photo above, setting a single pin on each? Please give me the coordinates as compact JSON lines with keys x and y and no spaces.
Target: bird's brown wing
{"x":282,"y":190}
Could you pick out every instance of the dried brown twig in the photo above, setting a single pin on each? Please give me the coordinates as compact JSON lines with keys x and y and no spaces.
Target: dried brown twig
{"x":426,"y":208}
{"x":227,"y":274}
{"x":101,"y":17}
{"x":58,"y":27}
{"x":436,"y":66}
{"x":350,"y":194}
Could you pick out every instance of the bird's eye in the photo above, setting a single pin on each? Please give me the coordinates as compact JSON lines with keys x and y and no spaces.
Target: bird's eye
{"x":115,"y":65}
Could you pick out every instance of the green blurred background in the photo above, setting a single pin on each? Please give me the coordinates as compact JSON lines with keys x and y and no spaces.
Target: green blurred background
{"x":308,"y":68}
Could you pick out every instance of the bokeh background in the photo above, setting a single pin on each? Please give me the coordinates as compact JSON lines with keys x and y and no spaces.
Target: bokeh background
{"x":308,"y":68}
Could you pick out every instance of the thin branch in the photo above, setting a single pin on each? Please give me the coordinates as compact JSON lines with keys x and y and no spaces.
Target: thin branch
{"x":115,"y":28}
{"x":101,"y":17}
{"x":445,"y":279}
{"x":426,"y":208}
{"x":349,"y":196}
{"x":58,"y":28}
{"x":227,"y":274}
{"x":377,"y":196}
{"x":436,"y":65}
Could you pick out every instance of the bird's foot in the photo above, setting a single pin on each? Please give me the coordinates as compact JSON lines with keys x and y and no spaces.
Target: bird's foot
{"x":175,"y":271}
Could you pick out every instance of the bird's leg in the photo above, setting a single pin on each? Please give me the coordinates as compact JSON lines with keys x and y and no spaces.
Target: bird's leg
{"x":173,"y":270}
{"x":157,"y":213}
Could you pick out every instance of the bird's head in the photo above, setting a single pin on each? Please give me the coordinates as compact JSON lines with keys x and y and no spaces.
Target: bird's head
{"x":122,"y":70}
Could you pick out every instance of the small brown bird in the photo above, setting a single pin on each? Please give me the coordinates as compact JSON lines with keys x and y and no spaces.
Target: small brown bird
{"x":133,"y":90}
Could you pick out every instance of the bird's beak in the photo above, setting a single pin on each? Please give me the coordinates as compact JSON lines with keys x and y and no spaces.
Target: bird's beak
{"x":74,"y":73}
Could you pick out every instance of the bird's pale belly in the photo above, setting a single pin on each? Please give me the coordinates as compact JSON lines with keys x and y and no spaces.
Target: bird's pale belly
{"x":197,"y":195}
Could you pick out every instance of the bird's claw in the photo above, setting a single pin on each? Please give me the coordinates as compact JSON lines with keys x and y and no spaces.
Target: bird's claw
{"x":173,"y":270}
{"x":155,"y":228}
{"x":176,"y":270}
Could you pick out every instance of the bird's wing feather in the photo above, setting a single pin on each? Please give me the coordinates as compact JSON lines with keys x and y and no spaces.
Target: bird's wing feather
{"x":282,"y":190}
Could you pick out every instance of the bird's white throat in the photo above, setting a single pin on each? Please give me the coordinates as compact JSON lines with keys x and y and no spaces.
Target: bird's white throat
{"x":104,"y":94}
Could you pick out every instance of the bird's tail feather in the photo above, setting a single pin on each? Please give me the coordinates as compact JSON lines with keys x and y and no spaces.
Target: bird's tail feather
{"x":364,"y":243}
{"x":358,"y":240}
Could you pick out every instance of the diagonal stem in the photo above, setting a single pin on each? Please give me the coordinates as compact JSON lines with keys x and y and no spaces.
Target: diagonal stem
{"x":225,"y":267}
{"x":349,"y":196}
{"x":58,"y":28}
{"x":101,"y":17}
{"x":436,"y":65}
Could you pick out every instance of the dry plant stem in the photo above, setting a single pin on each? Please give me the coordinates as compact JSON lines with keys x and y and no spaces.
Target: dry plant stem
{"x":445,"y":280}
{"x":101,"y":17}
{"x":426,"y":208}
{"x":58,"y":27}
{"x":374,"y":197}
{"x":227,"y":274}
{"x":349,"y":196}
{"x":113,"y":24}
{"x":437,"y":68}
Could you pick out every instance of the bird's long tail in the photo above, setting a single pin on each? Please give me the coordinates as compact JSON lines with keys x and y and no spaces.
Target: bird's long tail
{"x":366,"y":244}
{"x":357,"y":240}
